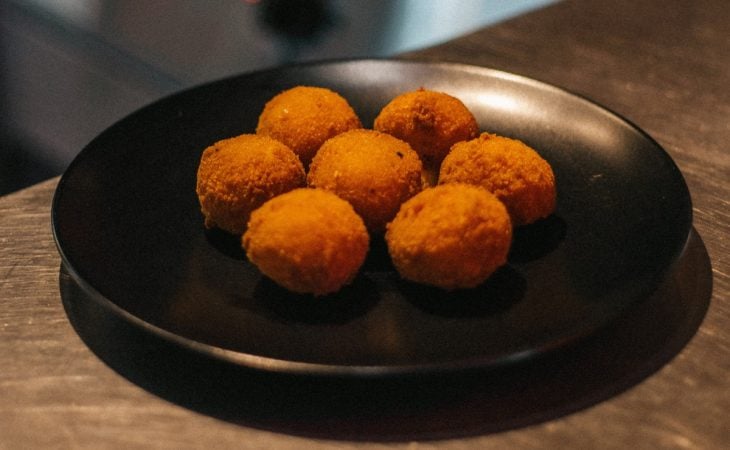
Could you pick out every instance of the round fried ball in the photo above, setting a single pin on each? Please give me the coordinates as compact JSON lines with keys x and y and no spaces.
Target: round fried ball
{"x":307,"y":240}
{"x":237,"y":175}
{"x":451,"y":236}
{"x":431,"y":122}
{"x":373,"y":171}
{"x":508,"y":168}
{"x":304,"y":117}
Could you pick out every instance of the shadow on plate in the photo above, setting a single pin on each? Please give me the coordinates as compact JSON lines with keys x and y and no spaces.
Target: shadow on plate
{"x":415,"y":406}
{"x":530,"y":242}
{"x":226,"y":243}
{"x":349,"y":303}
{"x":504,"y":288}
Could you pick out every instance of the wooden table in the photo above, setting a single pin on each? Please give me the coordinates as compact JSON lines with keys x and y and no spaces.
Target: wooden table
{"x":665,"y":65}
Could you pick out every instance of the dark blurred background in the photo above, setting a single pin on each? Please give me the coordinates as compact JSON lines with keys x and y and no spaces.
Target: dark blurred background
{"x":71,"y":68}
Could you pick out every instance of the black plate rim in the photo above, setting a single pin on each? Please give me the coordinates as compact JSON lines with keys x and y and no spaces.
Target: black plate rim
{"x":271,"y":364}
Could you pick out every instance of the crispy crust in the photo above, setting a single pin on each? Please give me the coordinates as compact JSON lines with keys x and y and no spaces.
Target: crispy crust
{"x":373,"y":171}
{"x":431,"y":122}
{"x":510,"y":169}
{"x":450,"y":236}
{"x":237,"y":175}
{"x":308,"y":240}
{"x":304,"y":117}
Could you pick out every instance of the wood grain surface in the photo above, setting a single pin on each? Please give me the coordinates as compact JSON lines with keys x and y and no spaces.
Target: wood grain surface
{"x":664,"y":65}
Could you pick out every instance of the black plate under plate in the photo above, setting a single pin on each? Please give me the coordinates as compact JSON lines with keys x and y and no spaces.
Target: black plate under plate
{"x":128,"y":227}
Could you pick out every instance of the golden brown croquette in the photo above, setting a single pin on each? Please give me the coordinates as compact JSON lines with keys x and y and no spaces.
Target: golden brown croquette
{"x":373,"y":171}
{"x":508,"y":168}
{"x":307,"y":240}
{"x":237,"y":175}
{"x":304,"y":117}
{"x":431,"y":122}
{"x":450,"y":236}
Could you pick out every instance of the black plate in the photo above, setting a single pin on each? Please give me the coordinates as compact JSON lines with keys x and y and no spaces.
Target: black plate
{"x":127,"y":225}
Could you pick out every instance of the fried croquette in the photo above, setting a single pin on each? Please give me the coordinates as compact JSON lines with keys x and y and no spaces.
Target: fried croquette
{"x":304,"y":117}
{"x":431,"y":122}
{"x":237,"y":175}
{"x":307,"y":240}
{"x":375,"y":172}
{"x":508,"y":168}
{"x":451,"y":236}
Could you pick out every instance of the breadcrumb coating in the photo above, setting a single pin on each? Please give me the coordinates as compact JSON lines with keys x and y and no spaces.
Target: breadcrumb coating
{"x":304,"y":117}
{"x":237,"y":175}
{"x":307,"y":191}
{"x":430,"y":121}
{"x":373,"y":171}
{"x":508,"y":168}
{"x":450,"y":236}
{"x":307,"y":240}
